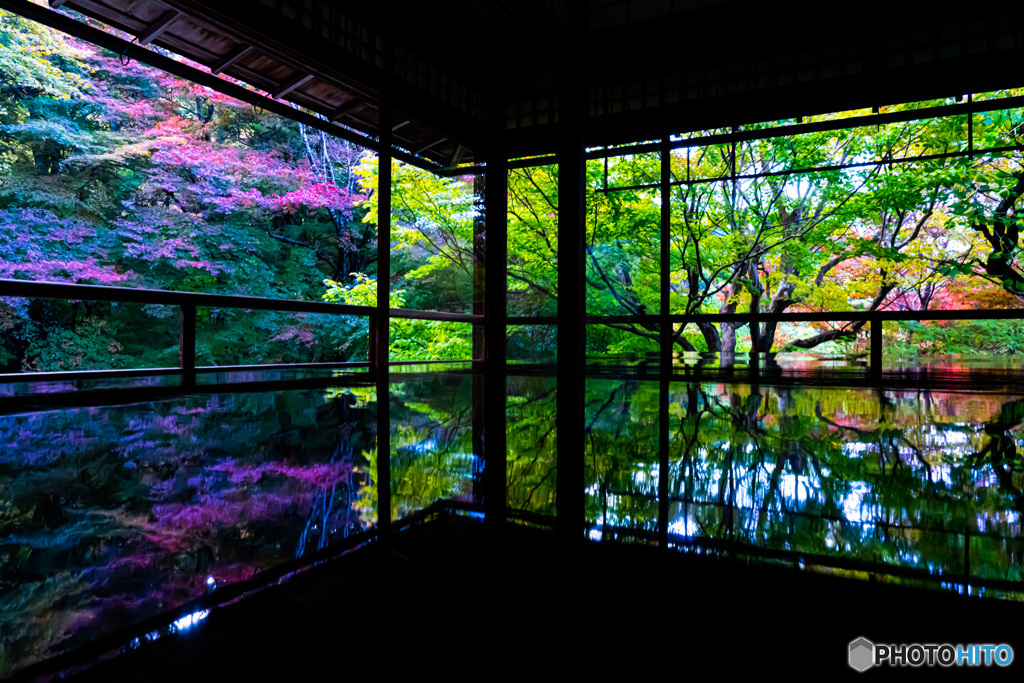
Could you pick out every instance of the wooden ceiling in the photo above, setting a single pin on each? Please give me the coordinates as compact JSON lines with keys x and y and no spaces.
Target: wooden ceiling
{"x":460,"y":72}
{"x":334,"y":65}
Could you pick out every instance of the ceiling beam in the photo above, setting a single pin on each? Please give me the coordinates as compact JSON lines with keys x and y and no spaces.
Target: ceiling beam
{"x":344,"y":110}
{"x":54,"y":4}
{"x":421,"y":150}
{"x":154,"y":30}
{"x":456,"y":156}
{"x":130,"y":49}
{"x":289,"y":43}
{"x":288,"y":86}
{"x":230,"y":58}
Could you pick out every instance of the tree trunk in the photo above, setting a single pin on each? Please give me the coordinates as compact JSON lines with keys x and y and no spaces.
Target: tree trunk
{"x":711,"y":337}
{"x":728,"y":330}
{"x":849,"y":333}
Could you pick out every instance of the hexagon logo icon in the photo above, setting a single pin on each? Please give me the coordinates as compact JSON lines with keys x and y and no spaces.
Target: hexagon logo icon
{"x":862,"y":654}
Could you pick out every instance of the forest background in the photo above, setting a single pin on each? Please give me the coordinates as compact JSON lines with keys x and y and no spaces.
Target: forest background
{"x":118,"y":174}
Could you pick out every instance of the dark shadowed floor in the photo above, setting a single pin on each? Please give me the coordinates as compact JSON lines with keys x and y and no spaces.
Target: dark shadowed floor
{"x":448,"y":602}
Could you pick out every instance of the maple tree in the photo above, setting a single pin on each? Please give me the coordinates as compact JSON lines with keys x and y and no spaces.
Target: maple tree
{"x":116,"y":173}
{"x":870,"y":217}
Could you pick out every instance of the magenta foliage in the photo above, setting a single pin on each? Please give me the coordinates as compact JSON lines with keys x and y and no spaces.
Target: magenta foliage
{"x":193,"y":177}
{"x":204,"y":177}
{"x":36,"y":244}
{"x":315,"y":474}
{"x":304,"y":334}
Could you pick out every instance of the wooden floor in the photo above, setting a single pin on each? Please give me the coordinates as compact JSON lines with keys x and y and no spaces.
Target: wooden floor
{"x":447,"y":600}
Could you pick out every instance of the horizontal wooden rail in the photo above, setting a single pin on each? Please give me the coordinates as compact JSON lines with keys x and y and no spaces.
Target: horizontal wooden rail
{"x":61,"y":375}
{"x":531,"y":320}
{"x":436,"y":316}
{"x":831,"y":316}
{"x":188,"y":302}
{"x":824,"y":316}
{"x":130,"y":295}
{"x":76,"y":292}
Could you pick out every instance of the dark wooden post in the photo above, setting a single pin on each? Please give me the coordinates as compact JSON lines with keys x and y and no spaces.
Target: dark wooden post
{"x":663,"y":461}
{"x":666,"y":250}
{"x":755,"y":337}
{"x":479,"y":267}
{"x":967,"y":555}
{"x":371,"y":325}
{"x":496,"y":312}
{"x":382,"y":320}
{"x":479,"y":410}
{"x":666,"y":339}
{"x":571,"y":301}
{"x":187,"y":344}
{"x":876,"y":347}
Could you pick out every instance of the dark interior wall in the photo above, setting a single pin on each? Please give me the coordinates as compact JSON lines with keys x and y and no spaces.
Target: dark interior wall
{"x":738,"y":62}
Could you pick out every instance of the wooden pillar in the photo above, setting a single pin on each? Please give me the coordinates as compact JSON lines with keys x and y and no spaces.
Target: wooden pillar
{"x":663,"y":461}
{"x":876,"y":348}
{"x":381,"y":321}
{"x":666,"y":340}
{"x":371,"y":324}
{"x":479,"y":389}
{"x":666,"y":250}
{"x":479,"y":258}
{"x":571,"y":302}
{"x":755,"y":331}
{"x":187,"y":344}
{"x":496,"y":312}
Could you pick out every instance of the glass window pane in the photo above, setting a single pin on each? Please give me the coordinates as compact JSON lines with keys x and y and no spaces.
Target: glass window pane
{"x":533,"y":241}
{"x":433,"y":219}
